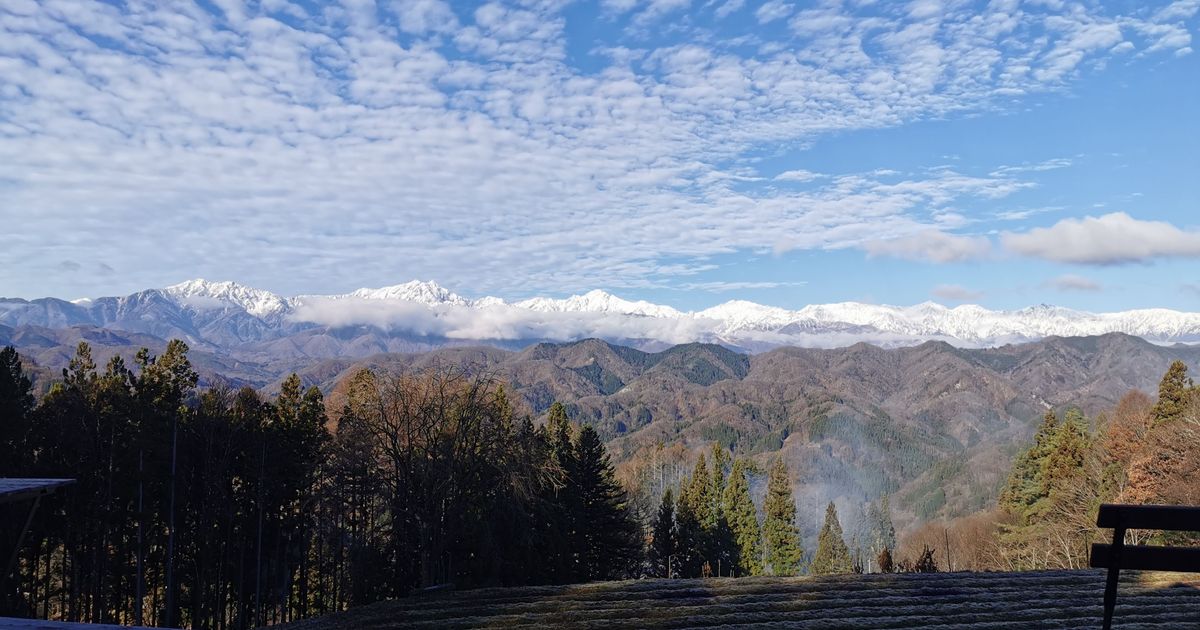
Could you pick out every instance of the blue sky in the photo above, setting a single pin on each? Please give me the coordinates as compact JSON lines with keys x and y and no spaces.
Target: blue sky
{"x":687,"y":152}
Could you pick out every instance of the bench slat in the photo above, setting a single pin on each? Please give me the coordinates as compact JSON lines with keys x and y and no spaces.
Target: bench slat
{"x":1160,"y":517}
{"x":1148,"y":558}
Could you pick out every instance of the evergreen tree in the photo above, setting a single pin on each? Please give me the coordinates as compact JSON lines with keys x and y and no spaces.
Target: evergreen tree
{"x":16,"y":405}
{"x":720,"y":459}
{"x":1025,"y":485}
{"x":689,"y":556}
{"x":1174,"y":391}
{"x":1049,"y":481}
{"x":562,"y":550}
{"x":783,"y":553}
{"x":607,"y":531}
{"x":1067,"y":450}
{"x":699,"y":494}
{"x":832,"y":556}
{"x":743,"y":520}
{"x":662,"y":549}
{"x":714,"y":542}
{"x":883,"y":532}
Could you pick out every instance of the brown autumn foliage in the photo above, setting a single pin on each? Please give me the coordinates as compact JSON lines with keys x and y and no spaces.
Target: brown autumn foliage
{"x":1166,"y":469}
{"x":1126,"y":428}
{"x":967,"y":543}
{"x":1139,"y":455}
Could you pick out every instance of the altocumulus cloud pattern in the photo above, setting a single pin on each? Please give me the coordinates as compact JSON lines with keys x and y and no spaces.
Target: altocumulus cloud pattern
{"x":482,"y":145}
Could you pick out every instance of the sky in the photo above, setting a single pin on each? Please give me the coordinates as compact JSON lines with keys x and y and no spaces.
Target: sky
{"x":1001,"y":153}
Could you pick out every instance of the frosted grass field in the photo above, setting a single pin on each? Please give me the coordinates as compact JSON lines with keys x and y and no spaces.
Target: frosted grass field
{"x":980,"y":601}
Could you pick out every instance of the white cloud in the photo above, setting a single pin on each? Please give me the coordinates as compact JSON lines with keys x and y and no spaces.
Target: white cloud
{"x":1072,"y":282}
{"x":719,"y":286}
{"x":419,"y":16}
{"x":728,"y":7}
{"x":1105,"y":240}
{"x":499,"y":321}
{"x":798,"y":175}
{"x":773,"y":10}
{"x":287,"y":147}
{"x":931,"y":245}
{"x":1048,"y":165}
{"x":1025,"y":213}
{"x":955,"y":293}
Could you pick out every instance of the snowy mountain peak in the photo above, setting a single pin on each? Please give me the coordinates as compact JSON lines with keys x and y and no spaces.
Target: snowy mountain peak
{"x":488,"y":301}
{"x":597,"y":301}
{"x":203,"y":294}
{"x":430,"y":293}
{"x":217,"y":308}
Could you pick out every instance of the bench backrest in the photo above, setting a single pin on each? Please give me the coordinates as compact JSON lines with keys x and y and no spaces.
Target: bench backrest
{"x":1147,"y":558}
{"x":1159,"y":517}
{"x":1119,"y":556}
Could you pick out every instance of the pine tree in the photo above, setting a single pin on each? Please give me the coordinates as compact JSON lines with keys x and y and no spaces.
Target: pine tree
{"x":699,"y":494}
{"x":608,"y":533}
{"x":689,"y":555}
{"x":1174,"y":390}
{"x":16,"y":405}
{"x":1025,"y":487}
{"x":832,"y":556}
{"x":720,"y":459}
{"x":1068,"y":448}
{"x":661,"y":552}
{"x":743,"y":520}
{"x":562,"y":550}
{"x":1056,"y":477}
{"x":782,"y":539}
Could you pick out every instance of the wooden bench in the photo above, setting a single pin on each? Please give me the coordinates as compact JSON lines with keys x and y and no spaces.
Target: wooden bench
{"x":1119,"y":556}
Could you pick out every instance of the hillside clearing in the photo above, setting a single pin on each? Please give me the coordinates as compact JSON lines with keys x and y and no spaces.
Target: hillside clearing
{"x":980,"y":601}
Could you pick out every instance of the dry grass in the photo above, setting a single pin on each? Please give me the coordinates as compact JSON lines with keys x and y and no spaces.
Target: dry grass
{"x":980,"y":601}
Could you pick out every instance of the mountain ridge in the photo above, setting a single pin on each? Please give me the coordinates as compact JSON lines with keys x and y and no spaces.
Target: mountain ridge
{"x":255,"y":324}
{"x":934,"y":425}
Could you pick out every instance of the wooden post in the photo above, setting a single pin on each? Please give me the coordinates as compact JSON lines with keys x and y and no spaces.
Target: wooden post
{"x":946,"y":537}
{"x":1114,"y":574}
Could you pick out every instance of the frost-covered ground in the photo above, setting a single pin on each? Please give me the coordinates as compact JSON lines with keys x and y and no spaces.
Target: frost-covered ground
{"x":979,"y":601}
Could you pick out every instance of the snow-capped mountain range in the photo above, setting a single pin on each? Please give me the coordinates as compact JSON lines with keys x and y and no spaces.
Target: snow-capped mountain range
{"x":227,"y":314}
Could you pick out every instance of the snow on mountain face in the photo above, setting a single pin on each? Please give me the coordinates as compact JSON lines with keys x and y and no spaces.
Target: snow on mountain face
{"x":430,"y":293}
{"x":598,"y":301}
{"x":743,"y":315}
{"x":203,"y":294}
{"x":428,"y":309}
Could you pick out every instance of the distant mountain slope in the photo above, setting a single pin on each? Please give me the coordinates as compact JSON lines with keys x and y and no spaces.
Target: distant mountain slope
{"x":933,"y":424}
{"x":258,"y":326}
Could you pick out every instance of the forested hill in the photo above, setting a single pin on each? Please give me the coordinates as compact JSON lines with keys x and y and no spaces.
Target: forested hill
{"x":934,"y":425}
